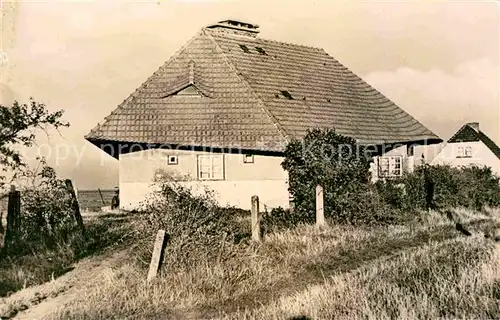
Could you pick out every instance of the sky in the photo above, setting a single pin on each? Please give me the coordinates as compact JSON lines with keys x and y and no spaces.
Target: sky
{"x":439,"y":61}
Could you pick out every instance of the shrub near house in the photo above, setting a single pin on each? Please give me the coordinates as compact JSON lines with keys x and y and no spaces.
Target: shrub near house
{"x":472,"y":187}
{"x":342,"y":167}
{"x":338,"y":164}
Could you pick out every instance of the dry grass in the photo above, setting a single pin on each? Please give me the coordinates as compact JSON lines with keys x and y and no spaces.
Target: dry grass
{"x":416,"y":271}
{"x":459,"y":278}
{"x":43,"y":264}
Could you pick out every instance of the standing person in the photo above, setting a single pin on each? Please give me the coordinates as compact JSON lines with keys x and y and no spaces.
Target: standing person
{"x":428,"y":186}
{"x":115,"y":202}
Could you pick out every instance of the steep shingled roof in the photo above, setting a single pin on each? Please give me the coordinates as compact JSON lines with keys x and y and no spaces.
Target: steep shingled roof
{"x":255,"y":94}
{"x":470,"y":134}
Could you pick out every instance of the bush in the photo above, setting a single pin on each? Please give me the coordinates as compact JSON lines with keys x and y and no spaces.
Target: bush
{"x":281,"y":219}
{"x":471,"y":187}
{"x":197,"y":227}
{"x":341,"y":167}
{"x":46,"y":218}
{"x":47,"y":213}
{"x":478,"y":187}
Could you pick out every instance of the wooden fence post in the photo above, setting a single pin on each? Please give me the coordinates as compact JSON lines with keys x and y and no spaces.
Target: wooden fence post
{"x":75,"y":205}
{"x":157,"y":257}
{"x":320,"y":209}
{"x":13,"y":217}
{"x":102,"y":198}
{"x":255,"y":219}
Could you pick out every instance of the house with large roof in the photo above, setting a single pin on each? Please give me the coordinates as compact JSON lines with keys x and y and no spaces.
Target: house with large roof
{"x":470,"y":146}
{"x":220,"y":112}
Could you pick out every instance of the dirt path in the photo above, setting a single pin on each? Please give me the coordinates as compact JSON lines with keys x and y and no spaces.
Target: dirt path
{"x":38,"y":302}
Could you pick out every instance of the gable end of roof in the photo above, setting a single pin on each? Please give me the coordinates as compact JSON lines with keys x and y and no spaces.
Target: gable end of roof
{"x":468,"y":134}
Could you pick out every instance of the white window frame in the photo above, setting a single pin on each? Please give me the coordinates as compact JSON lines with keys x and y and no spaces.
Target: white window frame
{"x":248,"y":158}
{"x":212,"y":173}
{"x":393,"y":166}
{"x":468,"y":152}
{"x":464,"y":152}
{"x":175,"y":160}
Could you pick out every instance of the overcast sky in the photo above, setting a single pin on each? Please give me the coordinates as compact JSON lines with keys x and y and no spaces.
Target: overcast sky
{"x":438,"y":61}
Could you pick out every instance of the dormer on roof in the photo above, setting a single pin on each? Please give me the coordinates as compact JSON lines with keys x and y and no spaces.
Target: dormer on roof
{"x":185,"y":84}
{"x":236,"y":27}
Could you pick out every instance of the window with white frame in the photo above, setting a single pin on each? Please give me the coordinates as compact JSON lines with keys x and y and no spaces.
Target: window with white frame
{"x":248,"y":158}
{"x":464,"y":152}
{"x":390,"y":166}
{"x":468,"y":152}
{"x":211,"y":167}
{"x":173,"y":159}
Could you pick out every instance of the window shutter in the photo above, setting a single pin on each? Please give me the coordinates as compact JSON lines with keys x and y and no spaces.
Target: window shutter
{"x":204,"y":167}
{"x":217,"y":166}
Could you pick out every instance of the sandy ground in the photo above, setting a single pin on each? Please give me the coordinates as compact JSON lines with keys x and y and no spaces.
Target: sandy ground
{"x":40,"y":301}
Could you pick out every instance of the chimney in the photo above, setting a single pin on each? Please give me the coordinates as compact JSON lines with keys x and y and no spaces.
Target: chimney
{"x":235,"y":27}
{"x":474,"y":125}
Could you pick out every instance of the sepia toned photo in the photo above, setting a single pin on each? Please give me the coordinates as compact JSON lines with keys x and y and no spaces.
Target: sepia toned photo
{"x":229,"y":159}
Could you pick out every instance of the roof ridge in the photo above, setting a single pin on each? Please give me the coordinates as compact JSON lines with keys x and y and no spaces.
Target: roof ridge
{"x":183,"y":81}
{"x":271,"y":117}
{"x":292,"y":44}
{"x":164,"y":65}
{"x":229,"y":35}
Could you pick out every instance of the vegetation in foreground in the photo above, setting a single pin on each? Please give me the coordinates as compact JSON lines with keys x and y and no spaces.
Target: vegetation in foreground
{"x":425,"y":270}
{"x":49,"y":241}
{"x":45,"y":263}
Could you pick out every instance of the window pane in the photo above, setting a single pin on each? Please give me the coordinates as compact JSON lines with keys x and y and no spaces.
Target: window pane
{"x":204,"y":175}
{"x":397,"y":166}
{"x":383,"y":166}
{"x":217,"y":167}
{"x":468,"y":151}
{"x":204,"y":167}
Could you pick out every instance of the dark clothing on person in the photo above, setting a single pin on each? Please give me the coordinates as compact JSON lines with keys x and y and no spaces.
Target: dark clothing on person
{"x":115,"y":202}
{"x":429,"y":190}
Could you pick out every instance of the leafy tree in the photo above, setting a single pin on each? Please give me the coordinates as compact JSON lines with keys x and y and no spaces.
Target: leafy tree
{"x":18,"y":125}
{"x":334,"y":161}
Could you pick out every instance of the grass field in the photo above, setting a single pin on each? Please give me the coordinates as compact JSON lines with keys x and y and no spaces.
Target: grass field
{"x":419,"y":271}
{"x":90,"y":200}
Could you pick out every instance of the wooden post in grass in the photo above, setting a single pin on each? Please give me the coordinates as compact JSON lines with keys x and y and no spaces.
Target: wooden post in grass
{"x":157,"y":257}
{"x":320,"y":209}
{"x":75,"y":206}
{"x":102,"y":198}
{"x":255,"y":219}
{"x":13,"y":217}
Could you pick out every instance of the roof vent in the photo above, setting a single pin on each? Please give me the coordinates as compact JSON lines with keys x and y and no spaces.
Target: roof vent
{"x":236,"y":27}
{"x":261,"y":51}
{"x":286,"y":94}
{"x":244,"y":48}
